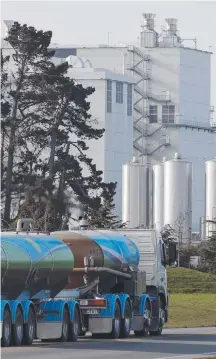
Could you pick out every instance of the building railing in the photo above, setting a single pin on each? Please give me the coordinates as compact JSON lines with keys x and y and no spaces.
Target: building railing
{"x":210,"y":126}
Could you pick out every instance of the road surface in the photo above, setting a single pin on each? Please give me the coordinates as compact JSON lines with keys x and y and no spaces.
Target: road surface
{"x":173,"y":344}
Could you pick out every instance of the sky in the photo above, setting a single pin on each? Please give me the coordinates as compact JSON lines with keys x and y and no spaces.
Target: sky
{"x":115,"y":22}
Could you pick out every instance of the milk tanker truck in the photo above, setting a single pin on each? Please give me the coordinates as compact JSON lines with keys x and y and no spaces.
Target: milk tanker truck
{"x":58,"y":286}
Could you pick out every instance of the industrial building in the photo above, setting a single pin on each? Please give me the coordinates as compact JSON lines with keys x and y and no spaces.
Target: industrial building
{"x":154,"y":102}
{"x":172,"y":109}
{"x":111,"y":109}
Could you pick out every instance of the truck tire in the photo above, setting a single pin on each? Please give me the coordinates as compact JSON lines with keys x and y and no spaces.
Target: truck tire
{"x":65,"y":326}
{"x":145,"y":331}
{"x":17,"y":328}
{"x":6,"y":329}
{"x":126,"y":322}
{"x":160,"y":328}
{"x":74,"y":327}
{"x":29,"y":328}
{"x":116,"y":325}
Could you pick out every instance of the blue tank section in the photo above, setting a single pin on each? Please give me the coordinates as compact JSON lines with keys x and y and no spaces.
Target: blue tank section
{"x":118,"y":249}
{"x":31,"y":263}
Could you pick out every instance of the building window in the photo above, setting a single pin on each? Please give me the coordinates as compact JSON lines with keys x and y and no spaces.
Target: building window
{"x":109,"y":96}
{"x":168,"y":114}
{"x":153,"y":114}
{"x":129,"y":100}
{"x":119,"y":92}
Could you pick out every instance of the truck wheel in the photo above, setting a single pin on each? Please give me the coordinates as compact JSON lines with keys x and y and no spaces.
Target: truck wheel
{"x":126,"y":322}
{"x":65,"y":326}
{"x":147,"y":316}
{"x":29,"y":328}
{"x":116,"y":326}
{"x":161,"y":321}
{"x":75,"y":327}
{"x":17,"y":332}
{"x":6,"y":329}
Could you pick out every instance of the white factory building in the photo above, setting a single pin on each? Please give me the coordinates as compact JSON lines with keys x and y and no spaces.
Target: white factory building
{"x":153,"y":100}
{"x":172,"y":109}
{"x":111,"y":109}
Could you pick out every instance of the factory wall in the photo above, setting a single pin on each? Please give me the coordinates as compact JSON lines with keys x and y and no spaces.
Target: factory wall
{"x":194,"y":85}
{"x":115,"y":148}
{"x":111,"y":58}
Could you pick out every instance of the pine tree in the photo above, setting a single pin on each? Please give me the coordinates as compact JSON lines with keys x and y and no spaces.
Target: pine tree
{"x":30,"y":51}
{"x":5,"y":111}
{"x":104,"y":216}
{"x":48,"y":129}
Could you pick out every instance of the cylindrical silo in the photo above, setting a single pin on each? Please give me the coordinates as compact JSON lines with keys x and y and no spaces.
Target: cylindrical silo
{"x":158,"y":195}
{"x":202,"y":229}
{"x":134,"y":194}
{"x":210,"y":196}
{"x":178,"y":196}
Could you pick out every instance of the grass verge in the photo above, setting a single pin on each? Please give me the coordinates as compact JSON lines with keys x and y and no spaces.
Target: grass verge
{"x":192,"y":310}
{"x":183,"y":280}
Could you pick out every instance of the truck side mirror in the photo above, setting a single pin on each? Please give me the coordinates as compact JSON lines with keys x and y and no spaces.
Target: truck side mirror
{"x":172,"y":253}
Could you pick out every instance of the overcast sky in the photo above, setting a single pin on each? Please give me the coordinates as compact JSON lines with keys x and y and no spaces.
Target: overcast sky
{"x":90,"y":22}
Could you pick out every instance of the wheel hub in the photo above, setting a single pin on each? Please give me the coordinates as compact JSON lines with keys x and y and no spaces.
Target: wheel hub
{"x":162,"y":316}
{"x":147,"y":318}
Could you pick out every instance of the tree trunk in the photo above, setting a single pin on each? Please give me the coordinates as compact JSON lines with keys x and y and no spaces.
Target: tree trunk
{"x":52,"y":154}
{"x":62,"y":177}
{"x":2,"y":151}
{"x":11,"y":146}
{"x":9,"y":174}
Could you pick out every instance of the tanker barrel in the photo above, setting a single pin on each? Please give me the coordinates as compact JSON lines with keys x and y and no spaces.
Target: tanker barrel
{"x":101,"y":253}
{"x":34,"y":266}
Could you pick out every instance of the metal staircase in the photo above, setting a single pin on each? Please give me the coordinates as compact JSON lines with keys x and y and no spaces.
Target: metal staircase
{"x":136,"y":50}
{"x":164,"y":142}
{"x":144,"y":74}
{"x":139,"y":66}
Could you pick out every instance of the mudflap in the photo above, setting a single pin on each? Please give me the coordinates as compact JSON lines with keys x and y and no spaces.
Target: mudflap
{"x":155,"y":302}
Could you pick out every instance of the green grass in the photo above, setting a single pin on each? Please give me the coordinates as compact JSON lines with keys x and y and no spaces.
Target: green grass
{"x":183,"y":280}
{"x":192,"y":310}
{"x":192,"y":298}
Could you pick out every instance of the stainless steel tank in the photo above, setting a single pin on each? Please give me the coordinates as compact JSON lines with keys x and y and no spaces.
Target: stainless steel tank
{"x":178,"y":196}
{"x":210,"y":195}
{"x":158,"y":195}
{"x":135,"y":206}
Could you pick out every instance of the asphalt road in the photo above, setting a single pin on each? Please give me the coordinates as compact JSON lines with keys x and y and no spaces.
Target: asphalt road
{"x":173,"y":344}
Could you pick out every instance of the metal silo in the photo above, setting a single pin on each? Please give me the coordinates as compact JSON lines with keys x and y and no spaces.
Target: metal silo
{"x":210,"y":195}
{"x":158,"y":195}
{"x":134,"y":194}
{"x":178,"y":196}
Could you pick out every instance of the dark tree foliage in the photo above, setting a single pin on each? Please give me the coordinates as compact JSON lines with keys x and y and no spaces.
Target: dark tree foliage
{"x":186,"y":253}
{"x":208,"y":254}
{"x":29,"y":52}
{"x":5,"y":111}
{"x":104,"y":216}
{"x":49,"y":123}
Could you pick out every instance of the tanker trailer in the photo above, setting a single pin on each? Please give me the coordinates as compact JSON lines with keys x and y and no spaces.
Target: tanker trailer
{"x":34,"y":268}
{"x":113,"y":291}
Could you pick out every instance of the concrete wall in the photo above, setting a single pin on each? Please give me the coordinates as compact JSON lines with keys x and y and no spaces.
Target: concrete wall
{"x":115,"y":148}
